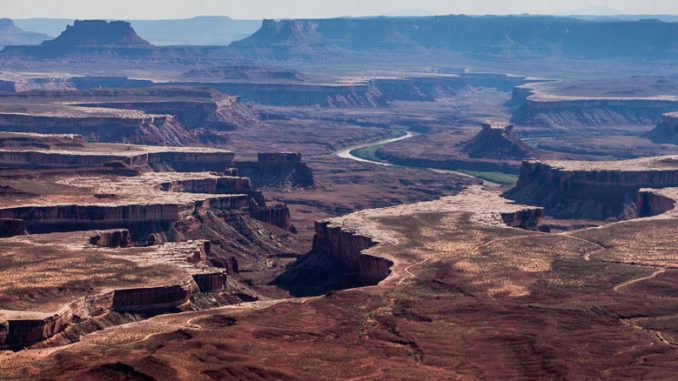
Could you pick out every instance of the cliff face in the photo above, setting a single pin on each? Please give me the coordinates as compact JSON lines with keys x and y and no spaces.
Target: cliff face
{"x":429,"y":88}
{"x":277,"y":170}
{"x":348,"y":247}
{"x":666,"y":131}
{"x":158,"y":130}
{"x":592,"y":112}
{"x":139,"y":219}
{"x":595,"y":194}
{"x":191,"y":115}
{"x":651,"y":203}
{"x":10,"y":227}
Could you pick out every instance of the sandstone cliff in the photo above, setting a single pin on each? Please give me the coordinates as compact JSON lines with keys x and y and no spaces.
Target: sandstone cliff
{"x":593,"y":190}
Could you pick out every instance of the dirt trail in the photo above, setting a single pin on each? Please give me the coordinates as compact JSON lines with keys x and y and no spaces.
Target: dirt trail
{"x":637,"y":280}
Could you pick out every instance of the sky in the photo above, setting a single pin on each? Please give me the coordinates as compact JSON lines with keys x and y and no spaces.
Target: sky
{"x":258,"y":9}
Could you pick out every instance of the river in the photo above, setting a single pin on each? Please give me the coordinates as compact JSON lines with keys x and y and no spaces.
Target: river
{"x":347,"y":153}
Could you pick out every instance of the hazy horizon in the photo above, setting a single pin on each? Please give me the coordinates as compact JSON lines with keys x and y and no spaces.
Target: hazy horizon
{"x":259,"y":9}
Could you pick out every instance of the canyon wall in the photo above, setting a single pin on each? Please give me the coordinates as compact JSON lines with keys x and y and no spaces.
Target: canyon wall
{"x":591,"y":112}
{"x":139,"y":219}
{"x":649,"y":203}
{"x":153,"y":130}
{"x":10,"y":227}
{"x":580,"y":193}
{"x":349,"y":247}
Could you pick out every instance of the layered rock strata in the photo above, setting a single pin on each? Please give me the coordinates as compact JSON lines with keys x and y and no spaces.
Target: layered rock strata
{"x":594,"y":190}
{"x":183,"y":159}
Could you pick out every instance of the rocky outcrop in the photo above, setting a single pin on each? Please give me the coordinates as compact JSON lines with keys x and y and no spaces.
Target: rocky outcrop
{"x":277,"y":170}
{"x":497,"y":141}
{"x":666,"y":131}
{"x":649,"y":203}
{"x":153,"y":298}
{"x":112,"y":238}
{"x":139,"y":219}
{"x":88,"y":38}
{"x":596,"y":190}
{"x":10,"y":227}
{"x":349,"y":247}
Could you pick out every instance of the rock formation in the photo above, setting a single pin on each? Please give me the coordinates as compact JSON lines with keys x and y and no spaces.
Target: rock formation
{"x":533,"y":107}
{"x":497,"y":141}
{"x":148,"y":129}
{"x":99,"y":34}
{"x":87,"y":37}
{"x":653,"y":202}
{"x":161,"y":158}
{"x":593,"y":190}
{"x":666,"y":131}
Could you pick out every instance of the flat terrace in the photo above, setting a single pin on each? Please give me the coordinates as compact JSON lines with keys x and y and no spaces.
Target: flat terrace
{"x":471,"y":300}
{"x":658,"y":163}
{"x":42,"y":274}
{"x":110,"y":191}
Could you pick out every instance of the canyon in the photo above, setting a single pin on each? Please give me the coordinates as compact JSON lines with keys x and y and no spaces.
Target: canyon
{"x":401,"y":198}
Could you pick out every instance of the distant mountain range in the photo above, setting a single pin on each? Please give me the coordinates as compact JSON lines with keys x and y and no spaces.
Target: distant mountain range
{"x":207,"y":30}
{"x":413,"y":38}
{"x":508,"y":36}
{"x":10,"y":34}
